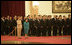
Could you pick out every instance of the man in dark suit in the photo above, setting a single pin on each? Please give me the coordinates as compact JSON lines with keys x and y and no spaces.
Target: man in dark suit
{"x":39,"y":25}
{"x":5,"y":18}
{"x":33,"y":26}
{"x":7,"y":25}
{"x":14,"y":24}
{"x":23,"y":20}
{"x":68,"y":24}
{"x":48,"y":25}
{"x":2,"y":25}
{"x":36,"y":26}
{"x":60,"y":25}
{"x":30,"y":22}
{"x":33,"y":29}
{"x":55,"y":25}
{"x":43,"y":26}
{"x":11,"y":24}
{"x":64,"y":25}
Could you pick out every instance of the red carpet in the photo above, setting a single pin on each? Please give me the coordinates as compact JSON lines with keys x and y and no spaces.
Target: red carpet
{"x":48,"y":39}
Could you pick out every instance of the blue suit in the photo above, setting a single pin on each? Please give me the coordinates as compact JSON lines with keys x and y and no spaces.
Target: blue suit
{"x":26,"y":27}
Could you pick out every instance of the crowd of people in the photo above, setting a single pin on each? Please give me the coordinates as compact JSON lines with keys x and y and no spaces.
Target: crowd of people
{"x":38,"y":26}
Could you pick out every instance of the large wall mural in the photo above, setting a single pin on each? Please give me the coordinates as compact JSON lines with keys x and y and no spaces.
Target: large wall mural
{"x":61,"y":6}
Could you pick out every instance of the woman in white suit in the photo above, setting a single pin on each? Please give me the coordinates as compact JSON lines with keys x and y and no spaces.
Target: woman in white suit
{"x":19,"y":27}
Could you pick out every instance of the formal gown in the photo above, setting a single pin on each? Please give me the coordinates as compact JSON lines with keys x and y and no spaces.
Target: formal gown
{"x":19,"y":28}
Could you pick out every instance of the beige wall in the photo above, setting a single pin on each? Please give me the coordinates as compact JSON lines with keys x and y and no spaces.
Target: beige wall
{"x":45,"y":8}
{"x":27,"y":11}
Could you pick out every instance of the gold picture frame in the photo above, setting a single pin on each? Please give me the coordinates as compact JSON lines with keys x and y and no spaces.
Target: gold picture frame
{"x":61,"y":6}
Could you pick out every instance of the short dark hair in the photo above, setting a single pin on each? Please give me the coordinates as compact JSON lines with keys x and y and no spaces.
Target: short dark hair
{"x":48,"y":15}
{"x":42,"y":16}
{"x":38,"y":15}
{"x":69,"y":15}
{"x":26,"y":18}
{"x":63,"y":16}
{"x":59,"y":15}
{"x":56,"y":16}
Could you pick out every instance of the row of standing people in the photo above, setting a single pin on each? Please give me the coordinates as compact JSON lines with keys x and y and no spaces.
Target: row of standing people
{"x":44,"y":27}
{"x":39,"y":26}
{"x":7,"y":25}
